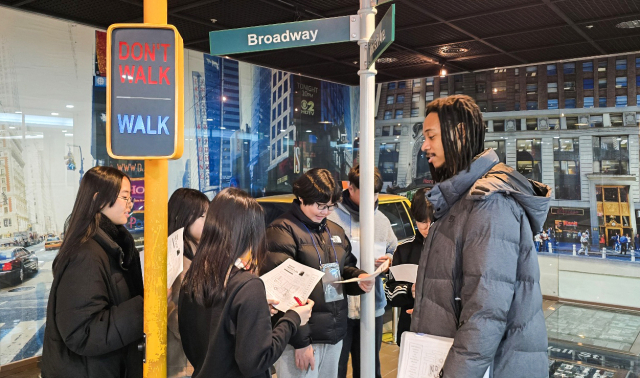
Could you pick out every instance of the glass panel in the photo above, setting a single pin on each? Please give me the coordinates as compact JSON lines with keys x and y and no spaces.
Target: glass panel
{"x":552,"y":87}
{"x":389,"y":100}
{"x":552,"y":69}
{"x":390,"y":210}
{"x":569,"y":68}
{"x":587,"y":66}
{"x":400,"y":99}
{"x":621,"y":64}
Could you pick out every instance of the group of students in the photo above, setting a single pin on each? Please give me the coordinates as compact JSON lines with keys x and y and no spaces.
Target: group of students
{"x":623,"y":243}
{"x":477,"y":282}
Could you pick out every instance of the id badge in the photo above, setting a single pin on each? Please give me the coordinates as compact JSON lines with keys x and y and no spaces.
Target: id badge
{"x":332,"y":292}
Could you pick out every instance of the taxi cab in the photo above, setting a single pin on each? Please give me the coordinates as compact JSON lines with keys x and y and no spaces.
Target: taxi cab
{"x":396,"y":208}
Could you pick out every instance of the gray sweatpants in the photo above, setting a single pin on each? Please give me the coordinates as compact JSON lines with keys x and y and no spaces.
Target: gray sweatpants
{"x":327,"y":359}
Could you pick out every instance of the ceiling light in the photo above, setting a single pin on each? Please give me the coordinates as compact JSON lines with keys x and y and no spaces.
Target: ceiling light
{"x":213,"y":20}
{"x":629,"y":24}
{"x":589,"y":26}
{"x":451,"y":50}
{"x":224,"y":98}
{"x":69,"y":106}
{"x":386,"y":60}
{"x":443,"y":72}
{"x":355,"y":62}
{"x":18,"y":112}
{"x":308,"y":131}
{"x":54,"y":114}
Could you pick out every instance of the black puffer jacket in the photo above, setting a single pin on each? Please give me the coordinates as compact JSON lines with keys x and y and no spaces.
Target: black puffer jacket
{"x":94,"y":314}
{"x":287,"y":238}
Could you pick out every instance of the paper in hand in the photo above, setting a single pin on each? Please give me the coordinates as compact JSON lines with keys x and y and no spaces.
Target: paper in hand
{"x":405,"y":272}
{"x":175,"y":251}
{"x":290,"y":279}
{"x":381,"y":268}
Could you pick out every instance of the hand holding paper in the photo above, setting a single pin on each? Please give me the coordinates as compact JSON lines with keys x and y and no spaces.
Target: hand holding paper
{"x":290,"y":279}
{"x":369,"y":277}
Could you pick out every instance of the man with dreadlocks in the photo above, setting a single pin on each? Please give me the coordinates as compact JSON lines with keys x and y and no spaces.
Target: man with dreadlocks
{"x":478,"y":278}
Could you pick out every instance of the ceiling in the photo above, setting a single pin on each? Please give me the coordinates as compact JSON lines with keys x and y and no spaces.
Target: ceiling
{"x":479,"y":34}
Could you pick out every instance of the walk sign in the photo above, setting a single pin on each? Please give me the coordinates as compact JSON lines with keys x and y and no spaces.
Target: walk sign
{"x":383,"y":36}
{"x":280,"y":36}
{"x":144,"y":92}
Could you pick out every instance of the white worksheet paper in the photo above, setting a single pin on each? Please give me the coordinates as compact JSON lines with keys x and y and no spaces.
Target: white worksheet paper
{"x":405,"y":272}
{"x":175,"y":251}
{"x":422,"y":356}
{"x":290,"y":279}
{"x":379,"y":249}
{"x":380,"y":269}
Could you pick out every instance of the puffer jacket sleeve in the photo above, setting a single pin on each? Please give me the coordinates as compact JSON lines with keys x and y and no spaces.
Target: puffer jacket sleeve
{"x":86,"y":320}
{"x":490,"y":250}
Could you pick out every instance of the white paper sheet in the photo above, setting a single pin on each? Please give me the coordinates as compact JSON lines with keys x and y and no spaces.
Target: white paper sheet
{"x":422,"y":356}
{"x":405,"y":272}
{"x":379,"y":249}
{"x":175,"y":252}
{"x":290,"y":279}
{"x":377,"y":272}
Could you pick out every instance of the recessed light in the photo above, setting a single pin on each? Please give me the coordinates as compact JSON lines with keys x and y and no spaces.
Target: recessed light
{"x":213,"y":20}
{"x":589,"y":26}
{"x":629,"y":24}
{"x":54,"y":114}
{"x":308,"y":131}
{"x":69,"y":106}
{"x":451,"y":50}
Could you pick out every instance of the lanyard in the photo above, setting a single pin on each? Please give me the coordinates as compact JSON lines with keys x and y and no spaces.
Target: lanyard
{"x":316,"y":246}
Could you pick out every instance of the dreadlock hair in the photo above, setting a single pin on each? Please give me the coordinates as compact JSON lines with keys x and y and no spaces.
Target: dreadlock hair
{"x":462,"y":133}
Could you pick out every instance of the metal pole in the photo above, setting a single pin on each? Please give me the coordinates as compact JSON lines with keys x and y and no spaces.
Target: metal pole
{"x":367,"y":131}
{"x":155,"y":241}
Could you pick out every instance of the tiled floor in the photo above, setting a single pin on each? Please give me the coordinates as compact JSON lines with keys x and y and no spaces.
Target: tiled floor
{"x":388,"y":361}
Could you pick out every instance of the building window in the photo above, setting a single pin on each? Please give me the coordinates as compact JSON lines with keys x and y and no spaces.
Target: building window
{"x":516,"y":106}
{"x":391,"y":85}
{"x":602,"y":83}
{"x":417,"y":83}
{"x":532,"y":89}
{"x":388,"y":114}
{"x":389,"y":100}
{"x":498,"y":147}
{"x":386,"y":130}
{"x":572,"y":123}
{"x":532,"y":71}
{"x":458,"y":84}
{"x":621,"y":82}
{"x":481,"y":87}
{"x":566,"y":167}
{"x":429,"y":81}
{"x":483,"y":106}
{"x":616,"y":120}
{"x":444,"y":93}
{"x":587,"y":66}
{"x":554,"y":123}
{"x":552,"y":104}
{"x":611,"y":155}
{"x":532,"y":105}
{"x":415,"y":97}
{"x":588,"y":102}
{"x":402,"y":84}
{"x":552,"y":87}
{"x":638,"y":99}
{"x":637,"y":62}
{"x":397,"y":130}
{"x":569,"y":68}
{"x":587,"y":83}
{"x":569,"y":103}
{"x":621,"y":64}
{"x":596,"y":121}
{"x":637,"y":81}
{"x":602,"y":102}
{"x":415,"y":112}
{"x":516,"y":72}
{"x":569,"y":85}
{"x":602,"y":66}
{"x":429,"y":96}
{"x":398,"y":113}
{"x":499,"y":106}
{"x":532,"y":124}
{"x":621,"y":101}
{"x":498,"y":126}
{"x":499,"y":87}
{"x":552,"y":69}
{"x":400,"y":99}
{"x":388,"y":161}
{"x":528,"y":157}
{"x":516,"y":87}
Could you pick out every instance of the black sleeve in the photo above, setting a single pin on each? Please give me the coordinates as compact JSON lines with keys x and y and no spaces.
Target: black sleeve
{"x":350,"y":271}
{"x":398,"y":293}
{"x":86,"y":320}
{"x":258,"y":346}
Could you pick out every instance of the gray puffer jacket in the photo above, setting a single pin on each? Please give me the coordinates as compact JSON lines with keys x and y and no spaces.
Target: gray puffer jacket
{"x":478,"y":279}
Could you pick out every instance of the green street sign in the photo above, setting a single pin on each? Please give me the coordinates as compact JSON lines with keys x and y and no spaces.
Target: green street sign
{"x":383,"y":36}
{"x":280,"y":36}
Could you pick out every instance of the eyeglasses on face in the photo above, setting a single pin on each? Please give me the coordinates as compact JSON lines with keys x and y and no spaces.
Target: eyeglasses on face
{"x":128,"y":200}
{"x":324,"y":206}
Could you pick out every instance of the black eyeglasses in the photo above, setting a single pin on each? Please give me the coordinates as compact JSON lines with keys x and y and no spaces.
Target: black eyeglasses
{"x":324,"y":206}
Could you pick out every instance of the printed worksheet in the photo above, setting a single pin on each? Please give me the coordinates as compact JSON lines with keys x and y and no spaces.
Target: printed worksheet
{"x":373,"y":275}
{"x":290,"y":279}
{"x":379,"y":249}
{"x":422,"y":356}
{"x":175,"y":251}
{"x":405,"y":272}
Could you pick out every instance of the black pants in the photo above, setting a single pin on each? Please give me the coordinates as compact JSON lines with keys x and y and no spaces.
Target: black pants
{"x":351,"y":344}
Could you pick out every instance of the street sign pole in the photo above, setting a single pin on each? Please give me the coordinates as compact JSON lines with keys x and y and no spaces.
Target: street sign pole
{"x":367,"y":74}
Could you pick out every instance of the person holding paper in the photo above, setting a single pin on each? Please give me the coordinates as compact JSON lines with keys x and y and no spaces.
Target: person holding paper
{"x":95,"y":310}
{"x":478,"y":280}
{"x":399,"y":293}
{"x":187,"y":209}
{"x":224,"y":318}
{"x":347,"y":216}
{"x":306,"y":236}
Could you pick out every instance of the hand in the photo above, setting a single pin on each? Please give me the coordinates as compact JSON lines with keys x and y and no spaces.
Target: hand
{"x":304,"y":312}
{"x":272,"y":303}
{"x":381,"y":261}
{"x":305,"y":357}
{"x":410,"y":312}
{"x":366,"y":285}
{"x":413,"y":290}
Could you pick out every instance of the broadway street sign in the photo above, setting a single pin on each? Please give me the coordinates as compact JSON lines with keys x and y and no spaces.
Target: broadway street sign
{"x":383,"y":36}
{"x":280,"y":36}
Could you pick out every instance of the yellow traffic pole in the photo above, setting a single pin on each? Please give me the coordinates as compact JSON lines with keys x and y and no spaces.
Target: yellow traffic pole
{"x":155,"y":241}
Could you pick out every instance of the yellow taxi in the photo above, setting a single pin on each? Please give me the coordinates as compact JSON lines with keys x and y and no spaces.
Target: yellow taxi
{"x":396,"y":208}
{"x":52,"y":242}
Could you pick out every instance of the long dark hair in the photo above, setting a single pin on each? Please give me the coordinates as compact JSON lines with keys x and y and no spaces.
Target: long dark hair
{"x":234,"y":225}
{"x":185,"y":207}
{"x":99,"y":188}
{"x":462,"y":132}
